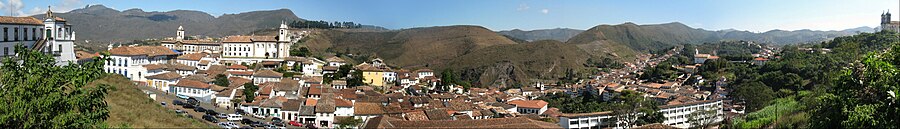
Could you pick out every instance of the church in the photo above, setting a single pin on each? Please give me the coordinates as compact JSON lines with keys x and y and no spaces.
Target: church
{"x":51,"y":35}
{"x":887,"y":24}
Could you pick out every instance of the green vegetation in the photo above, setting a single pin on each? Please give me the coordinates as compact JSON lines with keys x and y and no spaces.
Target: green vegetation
{"x":347,"y":122}
{"x":849,"y":82}
{"x":250,"y":91}
{"x":37,"y":94}
{"x":221,"y":80}
{"x":780,"y":108}
{"x":129,"y":107}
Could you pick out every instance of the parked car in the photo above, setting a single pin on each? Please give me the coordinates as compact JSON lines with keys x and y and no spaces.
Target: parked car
{"x":192,"y":101}
{"x":246,"y":121}
{"x":200,"y":109}
{"x":212,"y":112}
{"x":179,"y":111}
{"x":210,"y":118}
{"x":257,"y":124}
{"x":295,"y":123}
{"x":239,"y":111}
{"x":235,"y":117}
{"x":222,"y":116}
{"x":182,"y":96}
{"x":224,"y":125}
{"x":162,"y":103}
{"x":188,"y":106}
{"x":311,"y":126}
{"x":277,"y":120}
{"x":228,"y":125}
{"x":279,"y":124}
{"x":177,"y":102}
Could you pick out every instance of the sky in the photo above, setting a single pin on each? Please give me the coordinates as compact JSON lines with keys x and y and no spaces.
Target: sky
{"x":752,"y":15}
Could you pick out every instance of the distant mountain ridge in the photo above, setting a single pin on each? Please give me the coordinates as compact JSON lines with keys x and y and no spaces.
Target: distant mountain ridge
{"x":558,"y":34}
{"x":779,"y":37}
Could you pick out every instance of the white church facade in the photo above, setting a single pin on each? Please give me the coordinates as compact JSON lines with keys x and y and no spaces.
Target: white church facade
{"x":52,"y":36}
{"x":252,"y":49}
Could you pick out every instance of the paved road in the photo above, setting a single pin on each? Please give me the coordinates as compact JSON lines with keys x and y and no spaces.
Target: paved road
{"x":164,"y":97}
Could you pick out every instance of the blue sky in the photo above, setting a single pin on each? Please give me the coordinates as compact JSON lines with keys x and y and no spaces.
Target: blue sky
{"x":753,"y":15}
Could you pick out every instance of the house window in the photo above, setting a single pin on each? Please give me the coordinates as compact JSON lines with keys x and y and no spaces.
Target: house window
{"x":33,"y":33}
{"x":25,"y":33}
{"x":5,"y":34}
{"x":5,"y":50}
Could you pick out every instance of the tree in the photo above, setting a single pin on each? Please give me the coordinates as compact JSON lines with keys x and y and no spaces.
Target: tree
{"x":447,"y":79}
{"x":356,"y":79}
{"x":863,"y":96}
{"x":250,"y":91}
{"x":221,"y":80}
{"x":632,"y":109}
{"x":301,"y":52}
{"x":703,"y":118}
{"x":35,"y":93}
{"x":348,"y":122}
{"x":755,"y":94}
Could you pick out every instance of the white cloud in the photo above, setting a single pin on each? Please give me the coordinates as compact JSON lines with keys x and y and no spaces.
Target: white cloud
{"x":545,"y":11}
{"x":522,"y":7}
{"x":16,"y":7}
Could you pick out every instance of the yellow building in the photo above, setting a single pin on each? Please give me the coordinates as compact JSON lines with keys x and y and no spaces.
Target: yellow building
{"x":372,"y":75}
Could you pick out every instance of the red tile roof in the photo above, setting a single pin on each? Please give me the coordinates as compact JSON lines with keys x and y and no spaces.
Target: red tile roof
{"x":192,"y":56}
{"x":537,"y":104}
{"x":236,"y":66}
{"x":249,"y":39}
{"x":142,"y":50}
{"x":192,"y":84}
{"x":20,"y":20}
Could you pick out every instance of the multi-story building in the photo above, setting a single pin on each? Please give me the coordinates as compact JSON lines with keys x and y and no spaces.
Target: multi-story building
{"x":192,"y":45}
{"x":676,"y":115}
{"x":129,"y":61}
{"x":252,"y":49}
{"x":52,"y":35}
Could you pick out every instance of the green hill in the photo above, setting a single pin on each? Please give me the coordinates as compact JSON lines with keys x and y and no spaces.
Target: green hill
{"x":479,"y":54}
{"x":130,"y":107}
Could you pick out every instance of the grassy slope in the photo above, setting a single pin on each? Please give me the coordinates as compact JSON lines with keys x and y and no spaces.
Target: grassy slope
{"x":130,"y":107}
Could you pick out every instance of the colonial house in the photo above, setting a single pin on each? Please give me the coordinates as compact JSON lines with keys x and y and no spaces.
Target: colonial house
{"x":335,"y":61}
{"x":266,"y":75}
{"x":162,"y":81}
{"x":51,"y":36}
{"x":530,"y":106}
{"x":129,"y":61}
{"x":196,"y":89}
{"x":192,"y":59}
{"x":343,"y":107}
{"x":325,"y":111}
{"x":191,"y":45}
{"x":252,"y":49}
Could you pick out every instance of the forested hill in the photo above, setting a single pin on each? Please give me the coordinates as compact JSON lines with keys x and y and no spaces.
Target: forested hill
{"x":844,"y":83}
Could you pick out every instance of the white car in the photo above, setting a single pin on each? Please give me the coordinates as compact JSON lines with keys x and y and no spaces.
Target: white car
{"x":234,"y":117}
{"x":228,"y":125}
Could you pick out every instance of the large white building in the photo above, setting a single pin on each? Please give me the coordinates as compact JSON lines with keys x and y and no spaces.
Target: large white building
{"x":676,"y":116}
{"x":130,"y":61}
{"x":252,"y":49}
{"x":192,"y":45}
{"x":52,"y":35}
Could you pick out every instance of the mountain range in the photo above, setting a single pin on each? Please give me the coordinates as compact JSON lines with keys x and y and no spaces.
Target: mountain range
{"x":778,"y":37}
{"x":97,"y":25}
{"x":478,"y":54}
